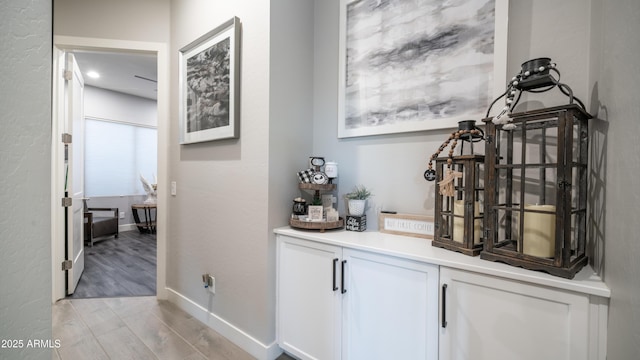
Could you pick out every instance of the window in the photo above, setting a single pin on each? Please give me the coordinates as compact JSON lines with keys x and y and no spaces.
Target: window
{"x":115,"y":156}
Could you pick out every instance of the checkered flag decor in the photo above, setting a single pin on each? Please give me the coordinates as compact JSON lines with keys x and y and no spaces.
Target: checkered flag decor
{"x":305,"y":175}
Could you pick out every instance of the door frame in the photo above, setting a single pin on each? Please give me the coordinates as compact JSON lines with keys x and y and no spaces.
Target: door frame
{"x":62,"y":44}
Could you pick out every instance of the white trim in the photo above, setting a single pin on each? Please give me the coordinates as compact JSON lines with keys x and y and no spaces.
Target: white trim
{"x":127,"y":227}
{"x":57,"y":177}
{"x":64,"y":43}
{"x":225,"y":328}
{"x":122,"y":122}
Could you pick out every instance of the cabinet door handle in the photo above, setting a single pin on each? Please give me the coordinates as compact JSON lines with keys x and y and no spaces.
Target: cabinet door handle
{"x":444,"y":305}
{"x":344,"y":290}
{"x":335,"y":281}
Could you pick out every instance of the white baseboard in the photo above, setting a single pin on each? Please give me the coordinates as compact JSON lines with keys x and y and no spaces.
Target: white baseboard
{"x":226,"y":329}
{"x":127,"y":227}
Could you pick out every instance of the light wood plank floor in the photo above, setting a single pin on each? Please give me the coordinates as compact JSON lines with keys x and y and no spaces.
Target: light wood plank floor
{"x":135,"y":328}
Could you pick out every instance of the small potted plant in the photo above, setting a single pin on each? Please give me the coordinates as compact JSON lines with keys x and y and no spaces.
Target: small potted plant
{"x":357,"y":200}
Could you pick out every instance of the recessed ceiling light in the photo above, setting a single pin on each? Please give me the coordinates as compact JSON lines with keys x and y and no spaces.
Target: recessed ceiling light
{"x":93,"y":74}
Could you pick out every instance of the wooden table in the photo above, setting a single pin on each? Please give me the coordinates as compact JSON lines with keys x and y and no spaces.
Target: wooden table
{"x":150,"y":215}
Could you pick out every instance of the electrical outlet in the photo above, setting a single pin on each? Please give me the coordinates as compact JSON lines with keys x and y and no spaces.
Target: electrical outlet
{"x":211,"y":281}
{"x":121,"y":214}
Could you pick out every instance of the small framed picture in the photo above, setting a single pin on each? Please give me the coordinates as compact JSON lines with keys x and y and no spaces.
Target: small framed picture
{"x":210,"y":85}
{"x":315,"y":212}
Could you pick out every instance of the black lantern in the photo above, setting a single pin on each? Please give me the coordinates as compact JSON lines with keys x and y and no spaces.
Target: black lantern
{"x":536,"y":190}
{"x":459,"y":194}
{"x":536,"y":175}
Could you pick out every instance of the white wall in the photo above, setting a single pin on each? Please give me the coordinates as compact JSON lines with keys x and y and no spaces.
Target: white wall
{"x":616,"y":92}
{"x":25,"y":171}
{"x":115,"y":106}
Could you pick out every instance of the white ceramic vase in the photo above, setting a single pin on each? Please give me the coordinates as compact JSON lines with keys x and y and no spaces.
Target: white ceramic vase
{"x":356,"y":207}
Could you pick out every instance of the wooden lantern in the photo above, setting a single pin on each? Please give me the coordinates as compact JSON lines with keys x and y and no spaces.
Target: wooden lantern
{"x":536,"y":190}
{"x":458,"y":218}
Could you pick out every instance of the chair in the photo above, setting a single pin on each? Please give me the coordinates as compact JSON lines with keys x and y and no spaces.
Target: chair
{"x":100,"y":223}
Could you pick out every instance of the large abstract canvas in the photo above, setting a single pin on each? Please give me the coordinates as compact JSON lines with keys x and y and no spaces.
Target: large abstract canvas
{"x":411,"y":65}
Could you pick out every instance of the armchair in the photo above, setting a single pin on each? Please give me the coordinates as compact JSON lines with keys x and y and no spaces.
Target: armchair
{"x":100,"y":223}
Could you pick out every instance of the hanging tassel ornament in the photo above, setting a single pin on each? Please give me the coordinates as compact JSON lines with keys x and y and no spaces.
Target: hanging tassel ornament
{"x":430,"y":173}
{"x":447,"y":187}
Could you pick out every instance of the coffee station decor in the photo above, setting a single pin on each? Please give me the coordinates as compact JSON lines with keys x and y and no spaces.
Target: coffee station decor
{"x":316,"y":215}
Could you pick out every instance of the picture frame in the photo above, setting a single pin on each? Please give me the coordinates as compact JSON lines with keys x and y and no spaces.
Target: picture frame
{"x":210,"y":85}
{"x":316,"y":212}
{"x":402,"y":69}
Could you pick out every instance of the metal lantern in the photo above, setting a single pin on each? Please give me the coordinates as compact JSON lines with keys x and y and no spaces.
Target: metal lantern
{"x":459,"y":194}
{"x":536,"y":190}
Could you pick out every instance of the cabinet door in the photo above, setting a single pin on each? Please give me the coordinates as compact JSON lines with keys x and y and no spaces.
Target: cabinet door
{"x":390,"y":308}
{"x":490,"y":318}
{"x":308,"y":306}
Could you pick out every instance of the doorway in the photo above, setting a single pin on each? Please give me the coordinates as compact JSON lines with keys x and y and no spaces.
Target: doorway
{"x":81,"y":46}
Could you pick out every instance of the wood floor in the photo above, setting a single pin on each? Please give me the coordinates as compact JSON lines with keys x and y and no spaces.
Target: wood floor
{"x":135,"y":328}
{"x":109,"y":316}
{"x":123,"y":266}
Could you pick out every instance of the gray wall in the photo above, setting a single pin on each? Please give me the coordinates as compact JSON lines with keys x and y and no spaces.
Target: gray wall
{"x":616,"y":92}
{"x":25,"y":173}
{"x":232,"y":193}
{"x":140,"y":20}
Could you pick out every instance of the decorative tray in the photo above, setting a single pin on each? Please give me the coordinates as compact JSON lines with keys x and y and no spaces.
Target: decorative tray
{"x":317,"y":225}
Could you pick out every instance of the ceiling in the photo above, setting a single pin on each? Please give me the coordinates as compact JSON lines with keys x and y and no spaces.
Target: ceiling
{"x":129,"y":73}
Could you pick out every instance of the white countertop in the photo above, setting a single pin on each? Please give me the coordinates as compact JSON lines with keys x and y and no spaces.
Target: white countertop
{"x":418,"y":249}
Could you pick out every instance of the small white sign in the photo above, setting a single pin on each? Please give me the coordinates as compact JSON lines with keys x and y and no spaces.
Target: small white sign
{"x":407,"y":224}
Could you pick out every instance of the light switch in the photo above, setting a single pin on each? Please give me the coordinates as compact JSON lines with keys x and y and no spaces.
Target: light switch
{"x":174,"y":188}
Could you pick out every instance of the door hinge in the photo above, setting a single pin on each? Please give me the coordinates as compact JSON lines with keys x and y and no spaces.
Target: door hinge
{"x":67,"y":265}
{"x":66,"y":138}
{"x":66,"y":201}
{"x":68,"y":75}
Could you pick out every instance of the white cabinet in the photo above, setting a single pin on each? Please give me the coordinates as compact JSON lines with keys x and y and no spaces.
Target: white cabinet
{"x":492,"y":318}
{"x":390,"y":308}
{"x":309,"y":300}
{"x":336,"y":303}
{"x":347,"y":295}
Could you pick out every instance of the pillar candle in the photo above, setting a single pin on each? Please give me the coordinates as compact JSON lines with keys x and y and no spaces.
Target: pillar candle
{"x":458,"y":222}
{"x":539,"y":231}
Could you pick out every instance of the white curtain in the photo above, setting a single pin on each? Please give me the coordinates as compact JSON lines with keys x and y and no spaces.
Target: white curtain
{"x":115,"y":156}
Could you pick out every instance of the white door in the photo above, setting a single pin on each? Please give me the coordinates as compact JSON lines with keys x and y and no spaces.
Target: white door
{"x":390,"y":308}
{"x":74,"y":172}
{"x":489,"y":318}
{"x":309,"y":299}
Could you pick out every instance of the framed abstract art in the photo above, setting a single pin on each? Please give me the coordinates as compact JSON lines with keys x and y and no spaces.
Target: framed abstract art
{"x":410,"y":65}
